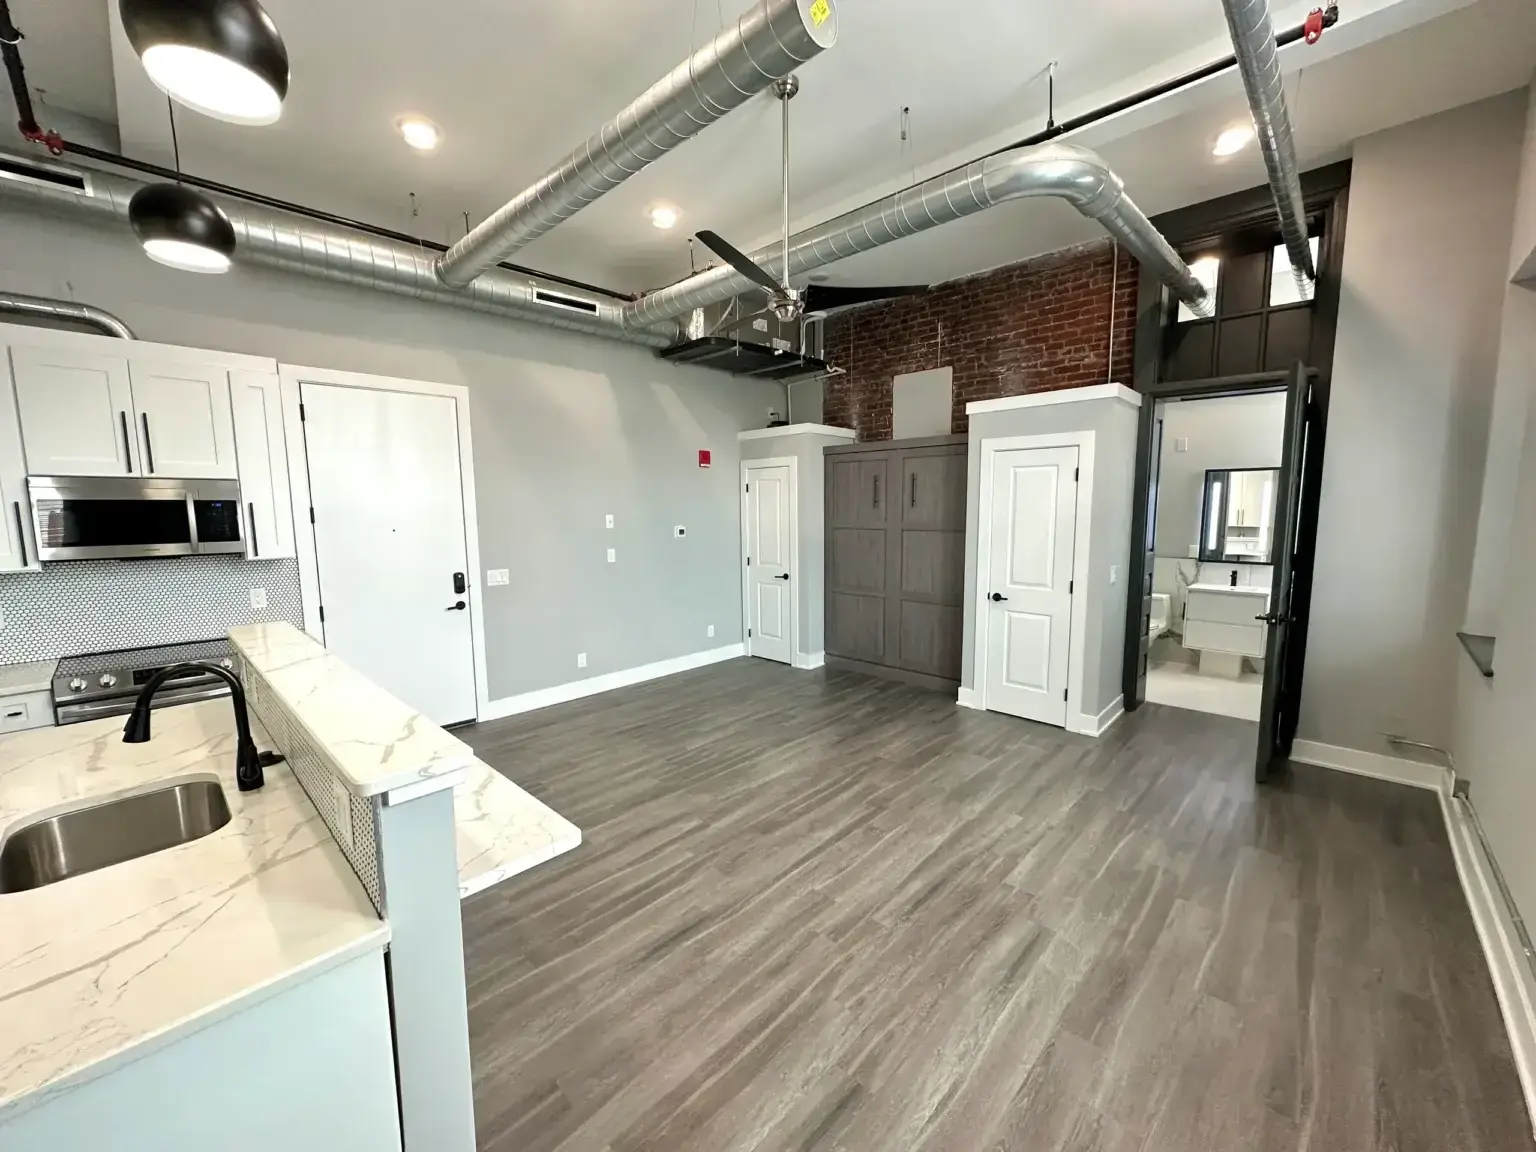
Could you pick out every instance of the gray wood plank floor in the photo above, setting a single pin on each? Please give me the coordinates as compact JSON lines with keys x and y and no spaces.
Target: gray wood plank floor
{"x":822,"y":911}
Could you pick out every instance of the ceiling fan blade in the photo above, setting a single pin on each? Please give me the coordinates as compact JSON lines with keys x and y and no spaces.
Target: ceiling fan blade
{"x":739,"y":261}
{"x":826,"y":297}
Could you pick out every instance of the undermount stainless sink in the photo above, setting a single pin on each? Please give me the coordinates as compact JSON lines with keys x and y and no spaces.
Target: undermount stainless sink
{"x":73,"y":843}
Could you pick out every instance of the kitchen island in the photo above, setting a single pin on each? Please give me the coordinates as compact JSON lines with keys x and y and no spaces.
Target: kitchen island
{"x":240,"y":978}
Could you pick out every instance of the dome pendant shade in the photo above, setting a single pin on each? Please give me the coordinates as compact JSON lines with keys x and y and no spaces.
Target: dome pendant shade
{"x":223,"y":58}
{"x":181,"y":228}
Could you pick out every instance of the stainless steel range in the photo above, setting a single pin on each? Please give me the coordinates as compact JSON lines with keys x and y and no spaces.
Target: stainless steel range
{"x":107,"y":683}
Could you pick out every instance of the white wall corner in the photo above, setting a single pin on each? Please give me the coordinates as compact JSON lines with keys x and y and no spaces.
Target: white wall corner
{"x":1513,"y":982}
{"x":1397,"y":769}
{"x":970,"y":698}
{"x":595,"y":685}
{"x":811,"y":661}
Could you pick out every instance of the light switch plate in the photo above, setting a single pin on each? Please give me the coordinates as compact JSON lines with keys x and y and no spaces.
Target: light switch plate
{"x":581,"y":659}
{"x":1114,"y":573}
{"x":497,"y":577}
{"x":711,"y":631}
{"x":1181,"y":444}
{"x":258,"y":598}
{"x":613,"y":555}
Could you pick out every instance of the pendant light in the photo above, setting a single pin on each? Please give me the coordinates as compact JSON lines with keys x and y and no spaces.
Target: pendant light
{"x":179,"y":226}
{"x":223,"y":58}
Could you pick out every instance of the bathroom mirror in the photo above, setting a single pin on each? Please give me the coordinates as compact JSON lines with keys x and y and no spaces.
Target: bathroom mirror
{"x":1237,"y":525}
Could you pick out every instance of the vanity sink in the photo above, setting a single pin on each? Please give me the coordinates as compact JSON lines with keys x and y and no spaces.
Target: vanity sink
{"x":72,"y":843}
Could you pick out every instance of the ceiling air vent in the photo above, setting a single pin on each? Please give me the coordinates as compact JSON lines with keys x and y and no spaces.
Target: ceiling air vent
{"x":570,"y":303}
{"x":43,"y":174}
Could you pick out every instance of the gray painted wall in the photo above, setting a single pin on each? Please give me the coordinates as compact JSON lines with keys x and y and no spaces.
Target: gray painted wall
{"x":1114,"y":425}
{"x":1425,"y":267}
{"x":1222,"y":432}
{"x":566,"y":429}
{"x":806,"y":448}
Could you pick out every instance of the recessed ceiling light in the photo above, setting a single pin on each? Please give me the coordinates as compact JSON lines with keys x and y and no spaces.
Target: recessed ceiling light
{"x":419,"y":132}
{"x":222,"y":57}
{"x":1233,"y":140}
{"x":664,"y":216}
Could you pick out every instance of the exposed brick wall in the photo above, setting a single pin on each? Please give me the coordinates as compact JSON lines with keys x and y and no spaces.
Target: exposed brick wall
{"x":1030,"y":327}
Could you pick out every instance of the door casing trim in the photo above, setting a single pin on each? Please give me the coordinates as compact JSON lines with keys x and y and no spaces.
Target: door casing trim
{"x":290,"y":378}
{"x":1082,"y":556}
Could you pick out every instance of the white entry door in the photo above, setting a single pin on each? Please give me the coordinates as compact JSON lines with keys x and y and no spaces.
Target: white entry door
{"x":770,"y":572}
{"x":388,"y":498}
{"x":1027,"y":599}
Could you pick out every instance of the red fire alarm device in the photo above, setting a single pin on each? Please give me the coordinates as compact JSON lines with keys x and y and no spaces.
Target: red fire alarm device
{"x":703,"y":457}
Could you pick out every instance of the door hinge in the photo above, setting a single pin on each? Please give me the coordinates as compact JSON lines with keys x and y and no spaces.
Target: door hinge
{"x":1065,"y":694}
{"x":749,"y":561}
{"x":322,"y":613}
{"x":301,"y":412}
{"x":311,"y":513}
{"x":1071,"y":584}
{"x":1076,"y":472}
{"x":749,"y":633}
{"x":749,"y":487}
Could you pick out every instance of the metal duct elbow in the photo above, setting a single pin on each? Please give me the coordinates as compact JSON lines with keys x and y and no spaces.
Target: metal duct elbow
{"x":47,"y":308}
{"x":770,"y":40}
{"x":1074,"y":174}
{"x":1258,"y":60}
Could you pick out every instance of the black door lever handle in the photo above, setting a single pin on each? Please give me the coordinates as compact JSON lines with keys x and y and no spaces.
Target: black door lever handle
{"x":997,"y":597}
{"x":459,"y":607}
{"x":1274,"y":618}
{"x":783,"y":577}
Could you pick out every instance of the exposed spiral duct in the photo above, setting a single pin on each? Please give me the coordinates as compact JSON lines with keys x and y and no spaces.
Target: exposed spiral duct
{"x":1074,"y":174}
{"x":68,"y":311}
{"x":770,"y":40}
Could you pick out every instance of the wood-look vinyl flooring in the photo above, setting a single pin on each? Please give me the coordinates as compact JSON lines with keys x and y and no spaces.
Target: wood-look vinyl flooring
{"x":823,"y":911}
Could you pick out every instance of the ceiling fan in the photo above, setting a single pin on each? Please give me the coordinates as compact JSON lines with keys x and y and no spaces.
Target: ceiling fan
{"x":785,"y":303}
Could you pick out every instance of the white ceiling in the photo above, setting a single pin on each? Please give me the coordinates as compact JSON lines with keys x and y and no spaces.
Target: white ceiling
{"x":516,"y":86}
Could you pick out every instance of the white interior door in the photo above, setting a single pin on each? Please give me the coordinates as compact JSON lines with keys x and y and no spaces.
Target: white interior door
{"x":390,"y":542}
{"x":770,"y":570}
{"x":1028,"y":595}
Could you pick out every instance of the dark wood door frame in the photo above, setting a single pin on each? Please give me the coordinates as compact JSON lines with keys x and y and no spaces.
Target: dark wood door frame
{"x":1326,"y":191}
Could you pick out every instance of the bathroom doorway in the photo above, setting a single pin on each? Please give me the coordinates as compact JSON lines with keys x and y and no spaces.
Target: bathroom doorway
{"x":1212,"y":539}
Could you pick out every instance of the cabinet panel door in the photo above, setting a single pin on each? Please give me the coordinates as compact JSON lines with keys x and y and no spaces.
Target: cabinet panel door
{"x":856,"y":559}
{"x":858,"y":494}
{"x":933,"y":490}
{"x":856,"y":627}
{"x":18,"y":549}
{"x":931,"y":638}
{"x":185,"y":427}
{"x":76,"y":411}
{"x":933,"y":565}
{"x":263,"y":456}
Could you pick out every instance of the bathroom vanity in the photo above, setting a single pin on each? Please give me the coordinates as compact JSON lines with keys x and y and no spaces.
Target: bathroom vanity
{"x":1221,"y":623}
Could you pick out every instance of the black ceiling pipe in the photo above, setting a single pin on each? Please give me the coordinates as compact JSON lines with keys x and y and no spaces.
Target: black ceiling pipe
{"x":10,"y":40}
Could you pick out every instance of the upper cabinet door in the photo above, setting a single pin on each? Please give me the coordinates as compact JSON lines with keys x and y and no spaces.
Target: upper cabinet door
{"x":18,"y":550}
{"x":263,"y":453}
{"x":185,"y":429}
{"x":76,"y":413}
{"x":933,"y":489}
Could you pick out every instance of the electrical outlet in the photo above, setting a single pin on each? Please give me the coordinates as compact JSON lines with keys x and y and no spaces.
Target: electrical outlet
{"x":1114,"y":573}
{"x":341,"y":804}
{"x":2,"y":616}
{"x":258,"y":598}
{"x":498,"y":577}
{"x":613,"y":555}
{"x":581,"y":659}
{"x":711,"y":631}
{"x":680,"y":531}
{"x":609,"y":519}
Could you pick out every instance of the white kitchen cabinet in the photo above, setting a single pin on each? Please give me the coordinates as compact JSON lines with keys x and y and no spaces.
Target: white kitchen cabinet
{"x":18,"y":549}
{"x":76,"y":412}
{"x":263,"y":458}
{"x":183,"y":420}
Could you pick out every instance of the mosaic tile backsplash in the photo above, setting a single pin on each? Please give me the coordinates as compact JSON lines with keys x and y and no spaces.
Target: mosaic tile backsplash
{"x":101,"y":605}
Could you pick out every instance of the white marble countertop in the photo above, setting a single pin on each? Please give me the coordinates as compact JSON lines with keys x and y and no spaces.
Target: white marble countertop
{"x":34,"y":676}
{"x":97,"y":969}
{"x":1228,"y":590}
{"x":375,"y":742}
{"x":503,"y":831}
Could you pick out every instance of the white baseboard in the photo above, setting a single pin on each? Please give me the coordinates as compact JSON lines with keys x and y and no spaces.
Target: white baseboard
{"x":1394,"y":768}
{"x":1513,"y":982}
{"x":579,"y":689}
{"x":814,"y":660}
{"x":970,"y":698}
{"x":1082,"y":724}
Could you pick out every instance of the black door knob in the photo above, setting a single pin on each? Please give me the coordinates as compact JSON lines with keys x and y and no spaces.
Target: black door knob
{"x":997,"y":597}
{"x":457,"y":607}
{"x":783,"y":577}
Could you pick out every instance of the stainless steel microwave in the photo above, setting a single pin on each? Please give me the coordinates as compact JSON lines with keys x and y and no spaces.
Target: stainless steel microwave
{"x":127,"y":518}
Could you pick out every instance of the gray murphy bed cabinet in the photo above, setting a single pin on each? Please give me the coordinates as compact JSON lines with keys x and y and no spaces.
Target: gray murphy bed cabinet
{"x":896,"y":558}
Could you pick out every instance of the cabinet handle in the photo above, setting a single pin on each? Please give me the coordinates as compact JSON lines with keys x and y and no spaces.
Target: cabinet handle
{"x":127,"y":443}
{"x":250,"y":511}
{"x":21,"y":531}
{"x":914,"y":489}
{"x":149,"y":449}
{"x":877,"y":491}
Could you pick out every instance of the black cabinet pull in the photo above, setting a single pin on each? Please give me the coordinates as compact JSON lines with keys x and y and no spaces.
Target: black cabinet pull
{"x":21,"y":532}
{"x":127,"y":443}
{"x":250,"y":514}
{"x":877,"y":491}
{"x":997,"y":597}
{"x":914,"y":489}
{"x":149,"y":449}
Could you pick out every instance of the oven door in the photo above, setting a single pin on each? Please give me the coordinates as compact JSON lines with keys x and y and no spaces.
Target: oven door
{"x":111,"y":518}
